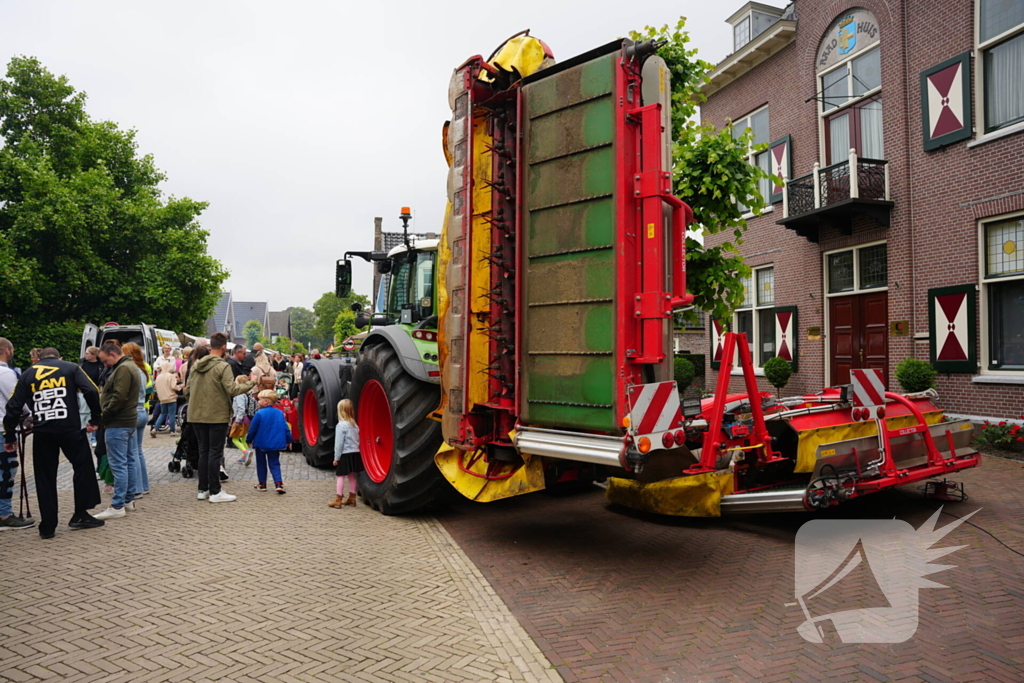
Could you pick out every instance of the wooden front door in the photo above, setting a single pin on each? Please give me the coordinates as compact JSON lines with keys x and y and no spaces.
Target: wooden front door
{"x":860,"y":335}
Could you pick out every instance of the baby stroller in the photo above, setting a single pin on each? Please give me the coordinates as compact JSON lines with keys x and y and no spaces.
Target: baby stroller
{"x":187,"y":449}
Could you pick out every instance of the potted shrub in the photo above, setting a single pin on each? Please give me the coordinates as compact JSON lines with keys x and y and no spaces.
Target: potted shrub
{"x":915,"y":375}
{"x":778,"y":372}
{"x":684,"y":373}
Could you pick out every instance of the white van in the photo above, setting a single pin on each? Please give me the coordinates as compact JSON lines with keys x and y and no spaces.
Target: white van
{"x":148,"y":337}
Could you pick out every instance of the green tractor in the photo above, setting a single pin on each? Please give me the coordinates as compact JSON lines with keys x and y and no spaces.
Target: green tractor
{"x":394,"y":383}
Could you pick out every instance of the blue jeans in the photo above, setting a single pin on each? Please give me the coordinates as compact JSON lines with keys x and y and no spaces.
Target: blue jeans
{"x":8,"y":469}
{"x":168,"y":413}
{"x":263,"y":458}
{"x":121,"y":457}
{"x":142,"y":475}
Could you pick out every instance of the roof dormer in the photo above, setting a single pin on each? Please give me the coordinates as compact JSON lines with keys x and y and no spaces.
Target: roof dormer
{"x":750,"y":21}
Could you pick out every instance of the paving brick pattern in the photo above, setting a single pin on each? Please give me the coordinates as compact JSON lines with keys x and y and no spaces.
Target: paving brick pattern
{"x":614,"y":595}
{"x":268,"y":588}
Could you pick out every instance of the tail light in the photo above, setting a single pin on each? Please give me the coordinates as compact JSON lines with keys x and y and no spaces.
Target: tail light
{"x":680,"y":437}
{"x":667,"y":440}
{"x":424,"y":335}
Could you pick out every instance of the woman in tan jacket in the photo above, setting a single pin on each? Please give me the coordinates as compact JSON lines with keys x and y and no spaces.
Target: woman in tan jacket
{"x":167,"y":385}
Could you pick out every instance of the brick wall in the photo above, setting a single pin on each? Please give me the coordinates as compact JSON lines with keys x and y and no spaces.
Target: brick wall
{"x":939,"y":196}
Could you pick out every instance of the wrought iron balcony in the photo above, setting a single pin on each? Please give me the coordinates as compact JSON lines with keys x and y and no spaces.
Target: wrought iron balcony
{"x":834,"y":196}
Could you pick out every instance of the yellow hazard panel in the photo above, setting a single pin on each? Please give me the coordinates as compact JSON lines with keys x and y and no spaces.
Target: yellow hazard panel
{"x":465,"y":471}
{"x":696,"y":496}
{"x":809,"y":440}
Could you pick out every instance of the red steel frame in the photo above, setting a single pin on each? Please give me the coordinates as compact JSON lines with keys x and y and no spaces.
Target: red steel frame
{"x":715,"y":442}
{"x":644,"y":304}
{"x":936,"y":466}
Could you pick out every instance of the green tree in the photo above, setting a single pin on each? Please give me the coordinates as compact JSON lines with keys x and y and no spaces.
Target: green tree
{"x":345,"y":326}
{"x":252,"y":331}
{"x":303,"y":321}
{"x":327,"y":308}
{"x":712,"y":174}
{"x":85,"y":234}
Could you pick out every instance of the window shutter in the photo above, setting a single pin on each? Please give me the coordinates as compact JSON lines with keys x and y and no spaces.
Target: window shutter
{"x":953,"y":330}
{"x":946,"y":102}
{"x":785,"y":334}
{"x":781,"y":165}
{"x":716,"y":344}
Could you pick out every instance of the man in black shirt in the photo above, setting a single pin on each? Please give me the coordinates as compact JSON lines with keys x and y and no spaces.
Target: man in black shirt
{"x":241,"y":364}
{"x":50,"y":389}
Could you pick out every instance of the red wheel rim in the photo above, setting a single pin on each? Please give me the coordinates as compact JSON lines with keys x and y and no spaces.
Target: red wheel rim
{"x":376,"y":431}
{"x":310,"y":417}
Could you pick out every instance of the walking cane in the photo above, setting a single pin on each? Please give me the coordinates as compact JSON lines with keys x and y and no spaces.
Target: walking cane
{"x":23,"y":503}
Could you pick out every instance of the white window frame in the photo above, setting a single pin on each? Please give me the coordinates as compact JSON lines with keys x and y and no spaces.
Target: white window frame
{"x":754,"y":308}
{"x":749,"y":21}
{"x":986,"y":282}
{"x":826,"y":316}
{"x":979,"y":81}
{"x":857,"y":289}
{"x":752,"y":155}
{"x":823,"y":114}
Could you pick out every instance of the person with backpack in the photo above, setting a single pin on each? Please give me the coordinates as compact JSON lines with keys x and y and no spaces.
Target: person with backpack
{"x":210,"y":389}
{"x":243,"y":407}
{"x":269,"y":435}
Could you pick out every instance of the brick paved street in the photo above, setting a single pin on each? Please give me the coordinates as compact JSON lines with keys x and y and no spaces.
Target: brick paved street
{"x":613,"y":595}
{"x":285,"y":589}
{"x":269,"y":588}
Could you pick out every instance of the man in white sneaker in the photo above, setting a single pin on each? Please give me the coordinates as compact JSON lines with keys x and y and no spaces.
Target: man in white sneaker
{"x":120,"y":400}
{"x":211,"y":386}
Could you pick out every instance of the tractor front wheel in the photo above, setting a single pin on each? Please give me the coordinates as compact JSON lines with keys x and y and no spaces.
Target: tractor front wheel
{"x":397,"y":438}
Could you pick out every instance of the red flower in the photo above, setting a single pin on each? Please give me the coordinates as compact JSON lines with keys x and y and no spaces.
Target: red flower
{"x":1020,"y":438}
{"x":1002,"y":424}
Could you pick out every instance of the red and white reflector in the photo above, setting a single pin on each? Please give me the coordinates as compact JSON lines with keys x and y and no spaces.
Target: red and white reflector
{"x":655,"y":411}
{"x":868,"y":388}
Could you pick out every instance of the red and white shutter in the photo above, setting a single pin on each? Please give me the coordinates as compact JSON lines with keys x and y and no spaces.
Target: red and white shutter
{"x":946,"y":99}
{"x":716,"y":344}
{"x":952,"y":335}
{"x":786,"y":334}
{"x":779,"y":155}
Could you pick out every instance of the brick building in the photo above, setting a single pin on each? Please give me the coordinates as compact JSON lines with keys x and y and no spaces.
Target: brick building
{"x":919,"y":252}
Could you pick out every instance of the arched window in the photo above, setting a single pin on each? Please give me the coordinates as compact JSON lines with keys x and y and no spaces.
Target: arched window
{"x":849,"y":85}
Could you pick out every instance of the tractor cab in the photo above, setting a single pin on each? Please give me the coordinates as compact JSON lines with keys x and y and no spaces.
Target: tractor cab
{"x":410,"y":294}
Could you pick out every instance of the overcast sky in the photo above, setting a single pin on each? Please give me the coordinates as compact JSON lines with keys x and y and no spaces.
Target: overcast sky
{"x":300,"y":121}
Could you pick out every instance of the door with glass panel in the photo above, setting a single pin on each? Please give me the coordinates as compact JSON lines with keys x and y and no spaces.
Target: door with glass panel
{"x":856,"y":284}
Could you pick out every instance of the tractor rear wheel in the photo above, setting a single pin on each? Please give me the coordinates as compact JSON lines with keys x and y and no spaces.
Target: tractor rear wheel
{"x":324,"y":383}
{"x":397,"y":439}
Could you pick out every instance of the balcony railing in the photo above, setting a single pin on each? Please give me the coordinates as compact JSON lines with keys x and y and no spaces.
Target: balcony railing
{"x":833,"y":195}
{"x":835,"y":183}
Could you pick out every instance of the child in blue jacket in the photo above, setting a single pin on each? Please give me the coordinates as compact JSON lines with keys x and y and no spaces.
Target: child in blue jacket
{"x":269,"y":434}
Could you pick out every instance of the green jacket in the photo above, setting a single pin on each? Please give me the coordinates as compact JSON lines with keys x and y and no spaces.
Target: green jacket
{"x":120,"y":398}
{"x":210,"y":388}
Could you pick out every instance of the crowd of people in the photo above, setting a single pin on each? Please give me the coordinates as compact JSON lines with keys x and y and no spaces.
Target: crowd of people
{"x":102,"y":406}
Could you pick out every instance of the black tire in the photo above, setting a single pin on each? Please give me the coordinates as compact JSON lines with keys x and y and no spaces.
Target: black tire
{"x":413,"y":482}
{"x":327,"y":380}
{"x":186,"y":472}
